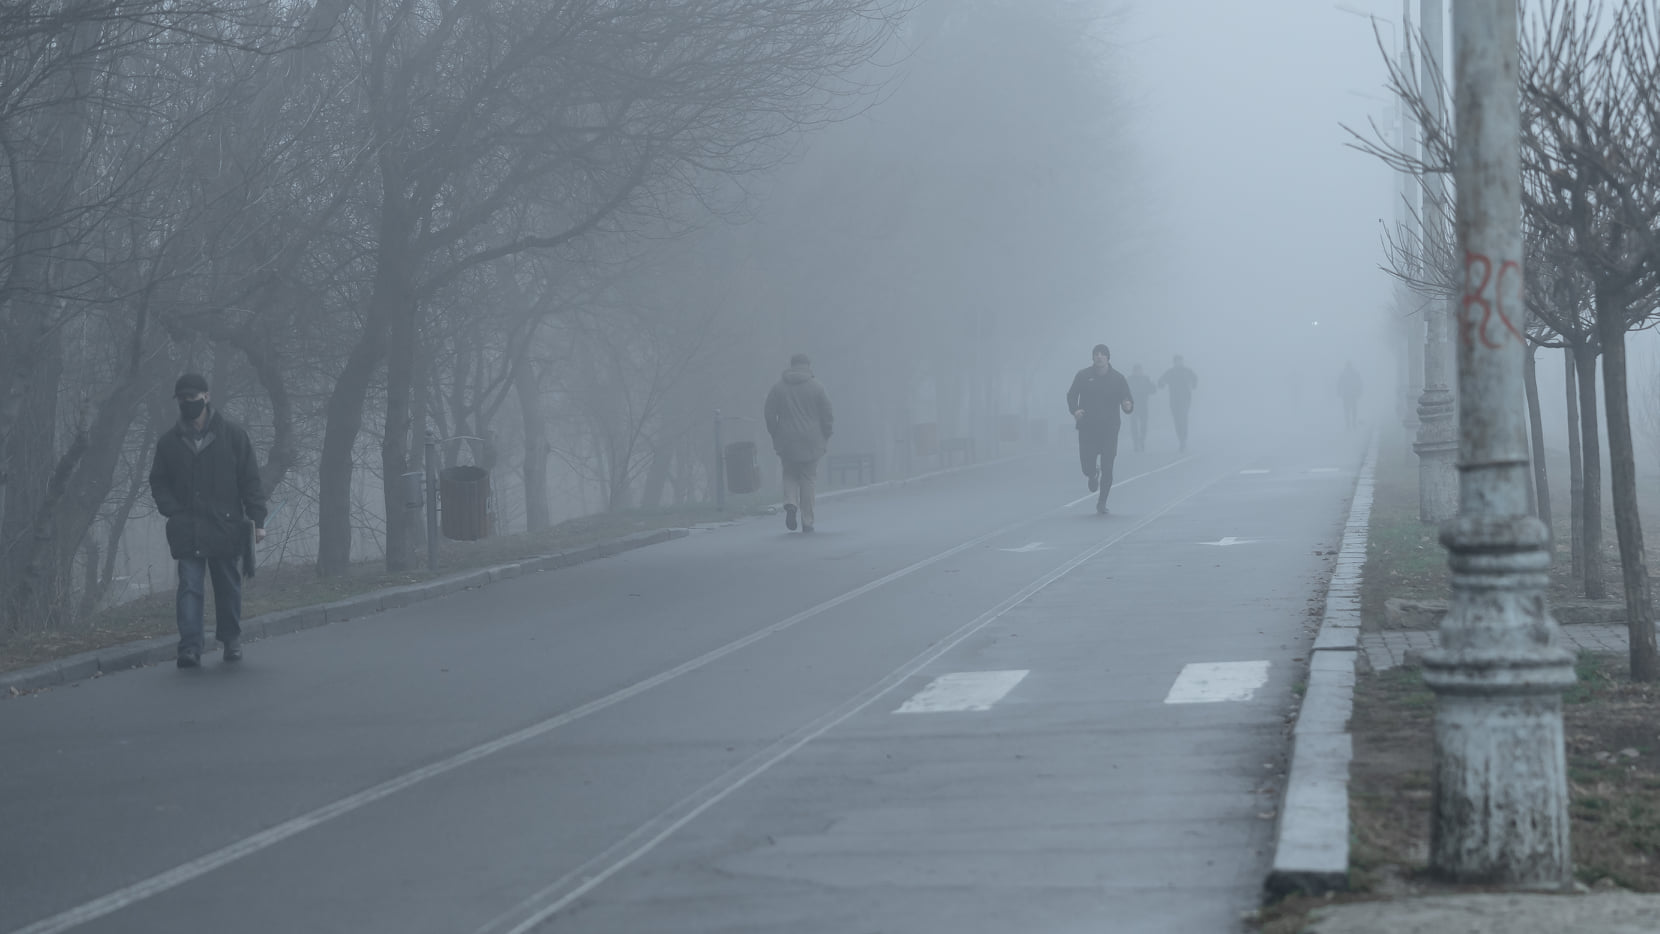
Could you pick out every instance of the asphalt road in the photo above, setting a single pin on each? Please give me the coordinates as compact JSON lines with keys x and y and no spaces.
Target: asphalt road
{"x":964,"y":704}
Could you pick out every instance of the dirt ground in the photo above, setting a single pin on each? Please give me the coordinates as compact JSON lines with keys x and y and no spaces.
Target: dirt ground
{"x":1611,"y":727}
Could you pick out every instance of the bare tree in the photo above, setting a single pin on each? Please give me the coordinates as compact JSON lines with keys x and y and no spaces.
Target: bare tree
{"x":1592,"y":138}
{"x":583,"y":108}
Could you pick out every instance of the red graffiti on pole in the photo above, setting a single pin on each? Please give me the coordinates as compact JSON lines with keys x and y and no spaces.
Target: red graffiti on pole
{"x":1475,"y":296}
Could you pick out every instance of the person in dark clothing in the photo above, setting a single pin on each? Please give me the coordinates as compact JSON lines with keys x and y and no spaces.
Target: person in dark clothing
{"x":1141,"y":387}
{"x":1348,"y":387}
{"x":799,"y":420}
{"x":205,"y":480}
{"x":1098,"y":394}
{"x":1180,"y":381}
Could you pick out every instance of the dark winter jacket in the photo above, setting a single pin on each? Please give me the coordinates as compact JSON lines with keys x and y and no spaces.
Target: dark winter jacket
{"x":798,"y":417}
{"x":1181,"y":381}
{"x":207,"y":485}
{"x":1099,"y":394}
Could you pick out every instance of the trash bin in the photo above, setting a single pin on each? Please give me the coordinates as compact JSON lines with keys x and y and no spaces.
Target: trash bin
{"x":743,"y":470}
{"x":464,"y":498}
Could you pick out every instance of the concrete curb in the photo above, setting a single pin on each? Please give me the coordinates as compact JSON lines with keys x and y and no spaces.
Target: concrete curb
{"x":282,"y":622}
{"x":1311,"y":850}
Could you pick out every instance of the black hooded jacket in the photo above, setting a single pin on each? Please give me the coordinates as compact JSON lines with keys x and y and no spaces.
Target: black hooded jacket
{"x":208,"y":487}
{"x":1100,"y":394}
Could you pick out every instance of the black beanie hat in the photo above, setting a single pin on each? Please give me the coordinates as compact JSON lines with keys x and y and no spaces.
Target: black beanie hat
{"x":190,"y":383}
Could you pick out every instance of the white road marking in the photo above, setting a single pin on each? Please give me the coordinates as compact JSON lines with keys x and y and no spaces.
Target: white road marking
{"x":194,"y":869}
{"x":963,"y":690}
{"x":1230,"y":540}
{"x":1023,"y":549}
{"x":1214,"y":682}
{"x":1255,"y":470}
{"x":560,"y":893}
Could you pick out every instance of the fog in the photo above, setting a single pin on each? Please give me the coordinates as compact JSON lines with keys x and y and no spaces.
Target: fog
{"x":1265,"y":227}
{"x":1213,"y":209}
{"x":945,"y":204}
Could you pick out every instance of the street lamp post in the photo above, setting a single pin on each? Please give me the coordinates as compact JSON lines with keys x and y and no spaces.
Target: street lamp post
{"x":1500,"y":811}
{"x":1437,"y":440}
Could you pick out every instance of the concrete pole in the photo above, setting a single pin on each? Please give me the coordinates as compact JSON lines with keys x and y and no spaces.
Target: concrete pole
{"x":1501,"y":803}
{"x":1437,"y":443}
{"x":720,"y":468}
{"x":1411,"y":322}
{"x":432,"y":499}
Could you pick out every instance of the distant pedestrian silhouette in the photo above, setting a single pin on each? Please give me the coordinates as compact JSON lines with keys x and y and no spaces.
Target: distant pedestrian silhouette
{"x":1180,"y":381}
{"x":1141,"y":387}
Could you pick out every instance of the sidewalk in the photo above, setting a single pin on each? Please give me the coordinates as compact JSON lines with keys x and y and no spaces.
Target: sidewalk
{"x":130,"y":655}
{"x":1312,"y":846}
{"x":1385,"y":650}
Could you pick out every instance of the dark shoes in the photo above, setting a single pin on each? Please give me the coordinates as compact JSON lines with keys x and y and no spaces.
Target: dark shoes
{"x":789,"y":516}
{"x":1094,"y":480}
{"x":233,"y":652}
{"x":189,"y":660}
{"x":806,"y":528}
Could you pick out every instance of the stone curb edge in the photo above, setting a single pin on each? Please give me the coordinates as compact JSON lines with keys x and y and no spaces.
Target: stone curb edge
{"x":1311,"y":847}
{"x":153,"y":651}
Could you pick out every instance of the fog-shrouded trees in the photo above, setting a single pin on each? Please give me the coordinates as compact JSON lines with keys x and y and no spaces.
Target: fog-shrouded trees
{"x":506,"y":126}
{"x":1590,"y":188}
{"x":112,"y":120}
{"x":930,"y":251}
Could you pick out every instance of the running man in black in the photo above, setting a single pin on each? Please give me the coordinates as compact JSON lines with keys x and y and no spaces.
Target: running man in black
{"x":1098,"y":394}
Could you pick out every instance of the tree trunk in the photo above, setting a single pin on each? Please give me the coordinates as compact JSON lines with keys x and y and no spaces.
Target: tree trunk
{"x":344,"y":419}
{"x":1628,"y":525}
{"x":538,"y":517}
{"x":29,"y":457}
{"x":1585,"y":367}
{"x":1576,"y":470}
{"x":394,"y":446}
{"x":1536,"y":428}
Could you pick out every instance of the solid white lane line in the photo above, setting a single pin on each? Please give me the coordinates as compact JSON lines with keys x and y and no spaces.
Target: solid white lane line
{"x":1216,"y":682}
{"x":248,"y":846}
{"x":642,"y":840}
{"x":963,"y":690}
{"x":1255,"y":470}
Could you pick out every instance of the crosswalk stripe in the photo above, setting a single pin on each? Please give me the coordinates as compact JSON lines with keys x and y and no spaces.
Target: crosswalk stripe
{"x":963,"y":690}
{"x":1215,"y":682}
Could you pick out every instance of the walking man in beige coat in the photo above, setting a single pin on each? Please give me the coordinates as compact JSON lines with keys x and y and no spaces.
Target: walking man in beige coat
{"x":799,"y":421}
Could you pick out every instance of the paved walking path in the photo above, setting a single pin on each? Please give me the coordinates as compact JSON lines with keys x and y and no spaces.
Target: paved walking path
{"x":1385,"y":650}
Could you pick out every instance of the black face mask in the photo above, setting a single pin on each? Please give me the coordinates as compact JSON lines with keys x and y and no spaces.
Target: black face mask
{"x":191,"y":409}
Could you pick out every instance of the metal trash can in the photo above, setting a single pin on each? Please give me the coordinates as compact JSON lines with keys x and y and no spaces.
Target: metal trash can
{"x":743,"y":469}
{"x":464,"y":497}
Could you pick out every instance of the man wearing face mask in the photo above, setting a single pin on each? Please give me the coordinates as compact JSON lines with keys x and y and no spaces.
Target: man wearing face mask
{"x":205,"y":480}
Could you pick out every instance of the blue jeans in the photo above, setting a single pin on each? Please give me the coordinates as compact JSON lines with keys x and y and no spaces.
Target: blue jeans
{"x":227,"y":601}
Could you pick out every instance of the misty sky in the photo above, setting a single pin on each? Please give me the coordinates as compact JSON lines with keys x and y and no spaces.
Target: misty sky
{"x":1259,"y":212}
